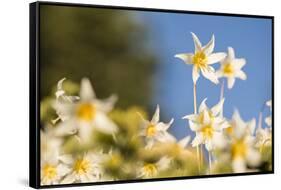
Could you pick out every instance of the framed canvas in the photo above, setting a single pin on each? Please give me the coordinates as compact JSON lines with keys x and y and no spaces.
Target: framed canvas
{"x":122,"y":94}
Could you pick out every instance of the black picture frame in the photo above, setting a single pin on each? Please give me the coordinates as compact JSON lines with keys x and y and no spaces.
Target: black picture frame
{"x":34,"y":92}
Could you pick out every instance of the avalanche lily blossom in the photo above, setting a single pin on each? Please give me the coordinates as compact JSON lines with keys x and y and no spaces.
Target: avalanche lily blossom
{"x":208,"y":126}
{"x":149,"y":170}
{"x":231,"y":68}
{"x":202,"y":59}
{"x":155,"y":131}
{"x":85,"y":115}
{"x":242,"y":144}
{"x":86,"y":168}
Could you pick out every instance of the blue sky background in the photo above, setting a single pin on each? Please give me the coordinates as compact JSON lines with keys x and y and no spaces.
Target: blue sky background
{"x":169,"y":34}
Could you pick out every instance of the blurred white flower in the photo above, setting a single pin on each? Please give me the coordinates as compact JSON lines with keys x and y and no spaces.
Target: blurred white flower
{"x":155,"y":131}
{"x":242,"y":144}
{"x":86,"y":168}
{"x":149,"y":170}
{"x":202,"y":59}
{"x":53,"y":163}
{"x":208,"y":126}
{"x":263,"y":137}
{"x":85,"y":115}
{"x":231,"y":68}
{"x":268,"y":119}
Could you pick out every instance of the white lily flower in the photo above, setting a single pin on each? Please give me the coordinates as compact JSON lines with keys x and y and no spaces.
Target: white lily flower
{"x":268,"y":120}
{"x":155,"y":131}
{"x":231,"y":68}
{"x":202,"y":58}
{"x":87,"y":114}
{"x":208,"y":126}
{"x":242,"y":144}
{"x":263,"y":137}
{"x":86,"y":168}
{"x":149,"y":170}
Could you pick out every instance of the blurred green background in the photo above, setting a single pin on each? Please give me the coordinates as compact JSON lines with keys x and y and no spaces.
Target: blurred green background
{"x":107,"y":46}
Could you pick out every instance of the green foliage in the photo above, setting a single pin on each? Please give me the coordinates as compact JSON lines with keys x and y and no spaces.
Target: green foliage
{"x":109,"y":47}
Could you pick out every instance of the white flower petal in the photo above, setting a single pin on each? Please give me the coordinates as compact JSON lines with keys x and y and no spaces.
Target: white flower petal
{"x":193,"y":126}
{"x":186,"y":57}
{"x":238,"y":63}
{"x":216,"y":57}
{"x":217,"y":108}
{"x":253,"y":157}
{"x":241,"y":74}
{"x":68,"y":179}
{"x":207,"y":73}
{"x":156,"y":116}
{"x":208,"y":49}
{"x":86,"y":91}
{"x":104,"y":124}
{"x":195,"y":74}
{"x":231,"y":53}
{"x":107,"y":104}
{"x":198,"y":139}
{"x":197,"y":43}
{"x":203,"y":105}
{"x":66,"y":128}
{"x":192,"y":117}
{"x":230,"y":82}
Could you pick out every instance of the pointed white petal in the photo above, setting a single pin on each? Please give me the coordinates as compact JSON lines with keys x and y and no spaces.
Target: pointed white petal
{"x":104,"y":124}
{"x":230,"y":82}
{"x":155,"y":118}
{"x":241,"y":74}
{"x":193,"y":126}
{"x":192,"y":117}
{"x":197,"y":43}
{"x":198,"y":139}
{"x":186,"y":57}
{"x":107,"y":104}
{"x":231,"y":53}
{"x":217,"y":108}
{"x":216,"y":57}
{"x":238,"y":63}
{"x":203,"y":105}
{"x":195,"y":74}
{"x":86,"y":91}
{"x":209,"y":48}
{"x":207,"y":73}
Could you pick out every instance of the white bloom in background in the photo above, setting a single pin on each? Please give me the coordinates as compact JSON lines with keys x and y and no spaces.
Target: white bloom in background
{"x":155,"y":131}
{"x":268,"y":119}
{"x":208,"y":126}
{"x":53,"y":164}
{"x":242,"y":144}
{"x":87,"y":114}
{"x":149,"y":170}
{"x":231,"y":68}
{"x":263,"y":137}
{"x":202,"y":58}
{"x":86,"y":168}
{"x":180,"y":147}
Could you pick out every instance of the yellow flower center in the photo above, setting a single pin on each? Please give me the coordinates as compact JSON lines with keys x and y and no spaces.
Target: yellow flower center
{"x":82,"y":166}
{"x":228,"y":69}
{"x":86,"y":112}
{"x":49,"y":171}
{"x":200,"y":59}
{"x":207,"y":131}
{"x":150,"y":169}
{"x":229,"y":130}
{"x":151,"y":130}
{"x":239,"y":149}
{"x":201,"y":117}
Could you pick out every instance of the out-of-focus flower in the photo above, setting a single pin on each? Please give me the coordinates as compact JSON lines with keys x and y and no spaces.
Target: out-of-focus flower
{"x":231,"y":68}
{"x":53,"y":163}
{"x":85,"y":115}
{"x":155,"y":131}
{"x":268,"y":119}
{"x":86,"y":168}
{"x":148,"y":170}
{"x":263,"y":137}
{"x":202,"y":58}
{"x":208,"y":126}
{"x":180,"y":147}
{"x":242,"y":144}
